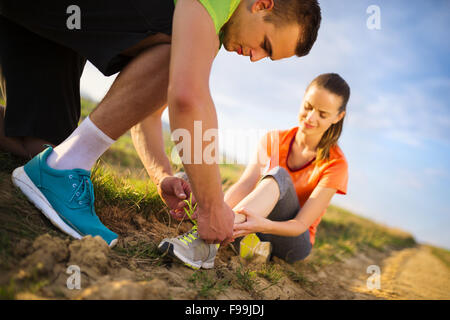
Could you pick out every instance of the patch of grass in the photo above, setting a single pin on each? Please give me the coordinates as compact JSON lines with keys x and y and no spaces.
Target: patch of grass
{"x":206,"y":285}
{"x":140,"y":250}
{"x":342,"y":234}
{"x":271,"y":273}
{"x":35,"y":286}
{"x":442,"y":254}
{"x":113,"y":190}
{"x":8,"y":292}
{"x":31,"y":282}
{"x":5,"y":248}
{"x":230,"y":173}
{"x":123,"y":156}
{"x":190,"y":210}
{"x":87,"y":106}
{"x":9,"y":162}
{"x":246,"y":279}
{"x":298,"y":277}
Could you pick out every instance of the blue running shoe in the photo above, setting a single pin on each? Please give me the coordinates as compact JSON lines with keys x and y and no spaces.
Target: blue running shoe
{"x":65,"y":197}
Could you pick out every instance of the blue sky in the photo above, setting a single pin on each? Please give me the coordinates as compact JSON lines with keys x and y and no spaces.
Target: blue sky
{"x":397,"y":131}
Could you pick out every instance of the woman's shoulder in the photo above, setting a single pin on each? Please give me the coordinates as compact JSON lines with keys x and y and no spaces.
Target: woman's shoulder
{"x":280,"y":135}
{"x":337,"y":155}
{"x":276,"y":142}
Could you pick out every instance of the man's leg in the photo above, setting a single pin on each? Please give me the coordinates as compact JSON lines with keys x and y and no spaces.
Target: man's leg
{"x":138,"y":91}
{"x":25,"y":147}
{"x":40,"y":90}
{"x":12,"y":145}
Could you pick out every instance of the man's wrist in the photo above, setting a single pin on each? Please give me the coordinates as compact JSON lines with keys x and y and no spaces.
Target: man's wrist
{"x":212,"y":206}
{"x":158,"y":179}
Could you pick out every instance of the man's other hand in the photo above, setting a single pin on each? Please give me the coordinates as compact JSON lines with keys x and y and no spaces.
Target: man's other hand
{"x":173,"y":191}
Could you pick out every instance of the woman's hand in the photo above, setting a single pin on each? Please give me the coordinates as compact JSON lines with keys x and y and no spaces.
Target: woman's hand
{"x":253,"y":223}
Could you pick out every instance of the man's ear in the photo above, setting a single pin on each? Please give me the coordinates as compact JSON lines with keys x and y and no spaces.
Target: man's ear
{"x":262,"y":5}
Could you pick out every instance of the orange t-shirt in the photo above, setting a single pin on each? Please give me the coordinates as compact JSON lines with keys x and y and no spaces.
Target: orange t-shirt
{"x":331,"y":173}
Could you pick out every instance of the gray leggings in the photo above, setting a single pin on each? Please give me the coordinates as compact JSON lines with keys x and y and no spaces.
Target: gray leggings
{"x":290,"y":249}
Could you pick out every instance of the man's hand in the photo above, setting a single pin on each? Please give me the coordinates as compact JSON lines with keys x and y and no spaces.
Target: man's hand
{"x":216,"y":224}
{"x":173,"y":191}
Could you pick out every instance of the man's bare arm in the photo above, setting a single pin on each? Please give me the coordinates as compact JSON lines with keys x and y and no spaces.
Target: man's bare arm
{"x":149,"y":143}
{"x":194,"y":47}
{"x":148,"y":140}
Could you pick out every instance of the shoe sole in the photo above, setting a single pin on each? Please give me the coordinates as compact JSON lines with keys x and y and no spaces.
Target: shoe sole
{"x":21,"y":180}
{"x":169,"y":248}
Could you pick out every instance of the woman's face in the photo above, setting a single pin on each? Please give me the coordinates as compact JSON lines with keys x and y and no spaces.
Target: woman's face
{"x":319,"y":110}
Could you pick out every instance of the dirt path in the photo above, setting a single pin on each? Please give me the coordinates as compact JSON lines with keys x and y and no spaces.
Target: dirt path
{"x":412,"y":274}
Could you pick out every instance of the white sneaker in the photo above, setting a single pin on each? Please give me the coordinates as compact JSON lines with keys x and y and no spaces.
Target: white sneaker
{"x":190,"y":249}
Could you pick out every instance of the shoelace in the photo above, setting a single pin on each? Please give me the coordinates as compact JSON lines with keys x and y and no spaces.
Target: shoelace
{"x":189,"y":236}
{"x":84,"y":192}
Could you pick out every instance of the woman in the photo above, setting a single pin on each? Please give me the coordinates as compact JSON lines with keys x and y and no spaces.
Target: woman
{"x":284,"y":202}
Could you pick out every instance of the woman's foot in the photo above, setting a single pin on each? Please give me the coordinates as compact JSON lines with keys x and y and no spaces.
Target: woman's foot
{"x":251,"y":247}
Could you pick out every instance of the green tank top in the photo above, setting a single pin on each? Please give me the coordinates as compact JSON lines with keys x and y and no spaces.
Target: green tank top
{"x":220,"y":12}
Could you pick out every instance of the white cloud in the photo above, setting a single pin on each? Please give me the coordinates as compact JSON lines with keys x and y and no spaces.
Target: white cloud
{"x":437,"y":173}
{"x":414,"y":113}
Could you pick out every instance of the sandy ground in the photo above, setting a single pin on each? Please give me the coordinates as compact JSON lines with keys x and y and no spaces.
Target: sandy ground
{"x":412,"y":274}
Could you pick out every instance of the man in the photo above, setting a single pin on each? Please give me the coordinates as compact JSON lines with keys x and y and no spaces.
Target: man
{"x":164,"y":52}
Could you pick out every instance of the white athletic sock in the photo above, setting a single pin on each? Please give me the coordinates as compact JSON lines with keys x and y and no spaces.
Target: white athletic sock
{"x":81,"y":149}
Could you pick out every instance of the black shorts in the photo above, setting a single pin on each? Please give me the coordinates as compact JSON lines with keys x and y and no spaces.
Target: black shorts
{"x":41,"y":59}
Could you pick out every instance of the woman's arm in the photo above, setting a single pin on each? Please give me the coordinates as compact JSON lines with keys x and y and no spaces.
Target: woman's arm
{"x":317,"y":202}
{"x":250,"y":176}
{"x":244,"y":186}
{"x":314,"y":206}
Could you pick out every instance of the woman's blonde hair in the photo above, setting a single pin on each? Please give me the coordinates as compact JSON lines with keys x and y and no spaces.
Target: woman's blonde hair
{"x":335,"y":84}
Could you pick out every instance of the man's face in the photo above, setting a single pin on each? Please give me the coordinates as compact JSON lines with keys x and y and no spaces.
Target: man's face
{"x":248,"y":34}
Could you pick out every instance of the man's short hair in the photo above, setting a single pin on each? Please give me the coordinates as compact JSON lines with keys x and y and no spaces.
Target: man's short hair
{"x":306,"y":13}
